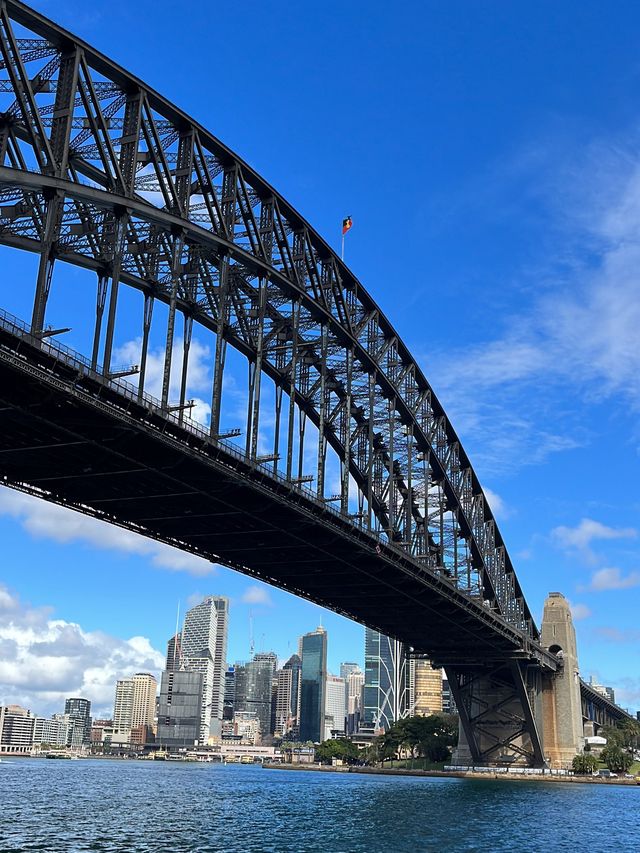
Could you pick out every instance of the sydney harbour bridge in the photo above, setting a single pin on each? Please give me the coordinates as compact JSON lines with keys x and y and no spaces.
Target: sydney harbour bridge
{"x":341,"y":480}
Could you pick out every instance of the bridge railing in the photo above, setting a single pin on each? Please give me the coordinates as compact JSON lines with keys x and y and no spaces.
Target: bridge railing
{"x":75,"y":360}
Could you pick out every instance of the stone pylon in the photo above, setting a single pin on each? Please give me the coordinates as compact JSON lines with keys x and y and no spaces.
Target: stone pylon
{"x":561,"y":703}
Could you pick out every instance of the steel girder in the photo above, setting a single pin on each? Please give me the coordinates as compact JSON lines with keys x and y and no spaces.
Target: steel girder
{"x":98,"y":170}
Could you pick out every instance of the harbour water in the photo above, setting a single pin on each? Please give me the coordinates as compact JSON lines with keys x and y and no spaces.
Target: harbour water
{"x":144,"y":806}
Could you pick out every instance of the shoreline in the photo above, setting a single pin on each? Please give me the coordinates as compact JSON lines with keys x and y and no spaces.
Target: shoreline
{"x":452,"y":774}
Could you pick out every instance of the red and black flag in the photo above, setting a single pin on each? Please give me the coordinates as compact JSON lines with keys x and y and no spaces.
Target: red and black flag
{"x":346,"y":225}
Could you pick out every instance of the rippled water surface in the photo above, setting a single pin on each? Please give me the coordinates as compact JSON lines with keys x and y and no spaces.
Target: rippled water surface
{"x":98,"y":805}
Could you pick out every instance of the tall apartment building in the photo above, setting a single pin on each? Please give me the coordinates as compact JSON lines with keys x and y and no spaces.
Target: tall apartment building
{"x":354,"y":688}
{"x":80,"y":710}
{"x":386,"y":681}
{"x":426,"y":688}
{"x":335,"y":709}
{"x":313,"y":680}
{"x":288,"y":698}
{"x":134,"y":706}
{"x":204,"y":650}
{"x":122,"y":710}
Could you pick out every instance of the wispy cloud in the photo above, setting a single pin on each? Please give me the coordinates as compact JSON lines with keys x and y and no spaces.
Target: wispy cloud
{"x":580,"y":538}
{"x":255,"y":594}
{"x":199,"y":377}
{"x":497,"y":504}
{"x":612,"y":578}
{"x":44,"y":520}
{"x":580,"y":611}
{"x":516,"y":397}
{"x":617,"y":635}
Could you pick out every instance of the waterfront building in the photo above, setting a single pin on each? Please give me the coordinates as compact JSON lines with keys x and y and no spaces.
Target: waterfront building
{"x":259,"y":688}
{"x":313,"y":679}
{"x":203,"y":650}
{"x":101,"y":733}
{"x":287,"y":700}
{"x":80,"y":710}
{"x":386,"y":684}
{"x":180,"y":709}
{"x":54,"y":731}
{"x":16,"y":730}
{"x":335,"y":709}
{"x":426,"y":688}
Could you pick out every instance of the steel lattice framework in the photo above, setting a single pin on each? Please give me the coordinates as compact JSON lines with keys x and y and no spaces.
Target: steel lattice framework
{"x":98,"y":170}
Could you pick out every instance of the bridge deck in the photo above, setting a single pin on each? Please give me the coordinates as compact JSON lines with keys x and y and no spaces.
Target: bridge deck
{"x":90,"y":443}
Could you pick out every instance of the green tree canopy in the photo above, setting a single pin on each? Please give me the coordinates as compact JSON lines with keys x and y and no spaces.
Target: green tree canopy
{"x":616,"y":759}
{"x":584,"y":763}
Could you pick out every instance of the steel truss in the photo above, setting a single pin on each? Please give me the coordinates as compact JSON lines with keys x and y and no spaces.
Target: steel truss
{"x":100,"y":171}
{"x":496,"y":704}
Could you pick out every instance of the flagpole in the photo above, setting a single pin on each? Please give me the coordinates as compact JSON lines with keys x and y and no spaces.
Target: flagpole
{"x":342,"y":252}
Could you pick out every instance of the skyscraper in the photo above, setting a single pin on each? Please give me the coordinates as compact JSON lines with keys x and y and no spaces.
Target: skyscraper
{"x":287,"y":697}
{"x":134,"y":706}
{"x":347,"y":668}
{"x":180,"y":709}
{"x":79,"y":710}
{"x":259,"y":685}
{"x":354,"y":688}
{"x":386,"y":684}
{"x":229,"y":693}
{"x":122,"y":711}
{"x":204,"y":649}
{"x":426,"y":688}
{"x":313,"y":685}
{"x":335,"y":707}
{"x":353,"y":685}
{"x":173,"y":652}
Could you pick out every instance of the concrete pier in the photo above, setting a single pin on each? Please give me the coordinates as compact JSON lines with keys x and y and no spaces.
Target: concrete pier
{"x":561,"y":703}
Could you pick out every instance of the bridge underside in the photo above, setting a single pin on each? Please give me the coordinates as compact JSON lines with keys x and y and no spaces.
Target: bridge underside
{"x":72,"y":437}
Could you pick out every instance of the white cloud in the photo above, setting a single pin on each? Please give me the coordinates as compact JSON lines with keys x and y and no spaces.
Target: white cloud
{"x":497,"y":504}
{"x":45,"y":520}
{"x":612,"y":578}
{"x":44,"y":660}
{"x":580,"y":538}
{"x":256,"y":595}
{"x":199,"y":374}
{"x":575,"y":341}
{"x":580,"y":611}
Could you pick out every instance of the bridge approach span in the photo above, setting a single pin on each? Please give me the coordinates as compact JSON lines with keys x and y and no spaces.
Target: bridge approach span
{"x":343,"y":482}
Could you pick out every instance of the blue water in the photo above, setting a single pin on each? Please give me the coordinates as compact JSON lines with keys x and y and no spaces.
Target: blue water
{"x":73,"y":806}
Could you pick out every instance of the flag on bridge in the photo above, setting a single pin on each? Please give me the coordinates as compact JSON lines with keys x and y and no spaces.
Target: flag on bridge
{"x":346,"y":225}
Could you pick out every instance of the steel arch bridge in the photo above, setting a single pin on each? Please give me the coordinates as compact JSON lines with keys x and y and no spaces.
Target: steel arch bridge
{"x":346,"y":482}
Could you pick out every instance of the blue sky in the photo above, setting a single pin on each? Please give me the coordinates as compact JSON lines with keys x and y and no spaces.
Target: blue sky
{"x":489,"y":156}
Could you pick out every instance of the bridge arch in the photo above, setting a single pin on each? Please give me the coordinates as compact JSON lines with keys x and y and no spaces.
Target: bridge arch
{"x":100,"y":171}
